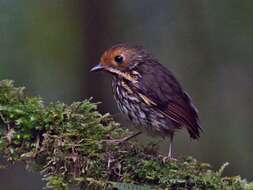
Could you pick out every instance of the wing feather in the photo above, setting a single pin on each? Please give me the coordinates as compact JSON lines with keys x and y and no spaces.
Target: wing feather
{"x":163,"y":91}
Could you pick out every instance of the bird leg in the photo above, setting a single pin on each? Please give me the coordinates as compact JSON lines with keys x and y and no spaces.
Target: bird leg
{"x":169,"y":156}
{"x":125,"y":139}
{"x":170,"y":149}
{"x":171,"y":143}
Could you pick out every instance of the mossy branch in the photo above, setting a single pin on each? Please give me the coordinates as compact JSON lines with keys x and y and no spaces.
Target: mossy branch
{"x":72,"y":145}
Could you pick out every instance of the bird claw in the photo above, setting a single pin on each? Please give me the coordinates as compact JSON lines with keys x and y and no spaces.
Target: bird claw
{"x":168,"y":159}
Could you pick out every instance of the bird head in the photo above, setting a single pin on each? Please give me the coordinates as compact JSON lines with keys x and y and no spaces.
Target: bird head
{"x":121,"y":59}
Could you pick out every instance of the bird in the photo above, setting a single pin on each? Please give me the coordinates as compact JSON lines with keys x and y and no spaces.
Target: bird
{"x":148,"y":93}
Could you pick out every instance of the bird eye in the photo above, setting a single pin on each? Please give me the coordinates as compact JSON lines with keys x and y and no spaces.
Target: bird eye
{"x":119,"y":59}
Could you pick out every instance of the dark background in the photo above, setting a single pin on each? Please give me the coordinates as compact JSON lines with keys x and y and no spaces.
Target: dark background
{"x":49,"y":47}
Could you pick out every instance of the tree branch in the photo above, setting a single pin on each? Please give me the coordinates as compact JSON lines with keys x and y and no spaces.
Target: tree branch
{"x":71,"y":145}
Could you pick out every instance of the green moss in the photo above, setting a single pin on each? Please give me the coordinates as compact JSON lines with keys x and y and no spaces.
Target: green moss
{"x":72,"y":145}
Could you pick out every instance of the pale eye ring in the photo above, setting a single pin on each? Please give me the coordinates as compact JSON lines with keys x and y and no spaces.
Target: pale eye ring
{"x":119,"y":59}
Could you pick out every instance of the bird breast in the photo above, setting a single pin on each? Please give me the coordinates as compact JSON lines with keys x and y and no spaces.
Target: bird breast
{"x":134,"y":105}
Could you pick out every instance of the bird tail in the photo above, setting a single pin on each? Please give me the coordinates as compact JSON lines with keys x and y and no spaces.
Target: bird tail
{"x":193,"y":123}
{"x":194,"y":129}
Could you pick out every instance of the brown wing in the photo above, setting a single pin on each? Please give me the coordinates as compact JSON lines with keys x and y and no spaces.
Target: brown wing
{"x":163,"y":91}
{"x":184,"y":112}
{"x":181,"y":112}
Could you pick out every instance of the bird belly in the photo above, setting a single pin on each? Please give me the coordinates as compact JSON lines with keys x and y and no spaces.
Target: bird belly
{"x":140,"y":113}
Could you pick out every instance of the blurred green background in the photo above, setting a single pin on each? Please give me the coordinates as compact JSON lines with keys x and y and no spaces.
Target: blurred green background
{"x":50,"y":46}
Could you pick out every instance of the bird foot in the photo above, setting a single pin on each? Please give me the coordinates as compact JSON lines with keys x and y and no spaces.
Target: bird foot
{"x":168,"y":159}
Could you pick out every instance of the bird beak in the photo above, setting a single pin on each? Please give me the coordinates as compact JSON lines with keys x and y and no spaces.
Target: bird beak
{"x":97,"y":68}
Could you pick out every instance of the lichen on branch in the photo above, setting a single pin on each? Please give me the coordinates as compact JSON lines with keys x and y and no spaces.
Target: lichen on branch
{"x":74,"y":145}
